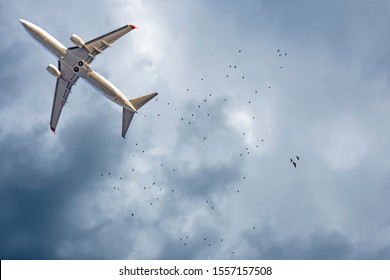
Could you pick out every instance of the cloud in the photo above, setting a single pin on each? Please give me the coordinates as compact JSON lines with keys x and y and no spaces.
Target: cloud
{"x":205,"y":171}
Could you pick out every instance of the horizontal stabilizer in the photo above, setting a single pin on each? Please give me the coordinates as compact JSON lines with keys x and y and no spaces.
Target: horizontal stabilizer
{"x":141,"y":101}
{"x":126,"y":120}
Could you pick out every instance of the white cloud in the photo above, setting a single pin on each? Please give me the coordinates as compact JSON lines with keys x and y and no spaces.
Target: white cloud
{"x":317,"y":106}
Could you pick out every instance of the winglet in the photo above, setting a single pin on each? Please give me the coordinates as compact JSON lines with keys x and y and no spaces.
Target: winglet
{"x":133,"y":26}
{"x":53,"y":129}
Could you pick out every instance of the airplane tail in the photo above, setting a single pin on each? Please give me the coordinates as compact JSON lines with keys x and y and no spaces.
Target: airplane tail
{"x":141,"y":101}
{"x":128,"y":115}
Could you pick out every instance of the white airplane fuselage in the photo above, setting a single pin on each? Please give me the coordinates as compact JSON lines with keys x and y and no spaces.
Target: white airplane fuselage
{"x":80,"y":68}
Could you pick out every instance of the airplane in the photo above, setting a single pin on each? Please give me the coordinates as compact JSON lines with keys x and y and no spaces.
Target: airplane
{"x":74,"y":62}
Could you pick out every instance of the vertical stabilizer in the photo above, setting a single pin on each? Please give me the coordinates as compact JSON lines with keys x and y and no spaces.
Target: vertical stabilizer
{"x":126,"y":120}
{"x":136,"y":104}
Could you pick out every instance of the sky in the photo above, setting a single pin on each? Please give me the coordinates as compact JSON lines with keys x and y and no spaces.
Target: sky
{"x":205,"y":170}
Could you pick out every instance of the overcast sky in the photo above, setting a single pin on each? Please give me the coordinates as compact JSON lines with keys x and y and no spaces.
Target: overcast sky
{"x":205,"y":171}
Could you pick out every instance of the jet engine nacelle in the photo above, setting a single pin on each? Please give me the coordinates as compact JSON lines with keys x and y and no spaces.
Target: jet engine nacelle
{"x":53,"y":70}
{"x":77,"y":41}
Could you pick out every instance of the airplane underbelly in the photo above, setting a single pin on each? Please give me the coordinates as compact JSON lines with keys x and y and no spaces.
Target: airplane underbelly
{"x":107,"y":89}
{"x":101,"y":84}
{"x":55,"y":47}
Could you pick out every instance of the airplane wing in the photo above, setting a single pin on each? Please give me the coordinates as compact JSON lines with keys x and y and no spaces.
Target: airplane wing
{"x":98,"y":45}
{"x":62,"y":91}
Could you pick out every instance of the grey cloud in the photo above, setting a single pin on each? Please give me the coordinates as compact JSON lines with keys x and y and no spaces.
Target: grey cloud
{"x":328,"y":104}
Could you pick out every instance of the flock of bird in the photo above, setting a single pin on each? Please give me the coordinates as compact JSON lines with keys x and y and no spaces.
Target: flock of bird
{"x":195,"y":113}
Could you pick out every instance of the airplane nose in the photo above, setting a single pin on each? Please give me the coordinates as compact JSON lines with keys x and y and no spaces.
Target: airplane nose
{"x":25,"y":24}
{"x":28,"y":26}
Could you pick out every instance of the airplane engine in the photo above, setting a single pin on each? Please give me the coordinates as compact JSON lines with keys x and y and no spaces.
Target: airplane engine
{"x":77,"y":41}
{"x":53,"y":70}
